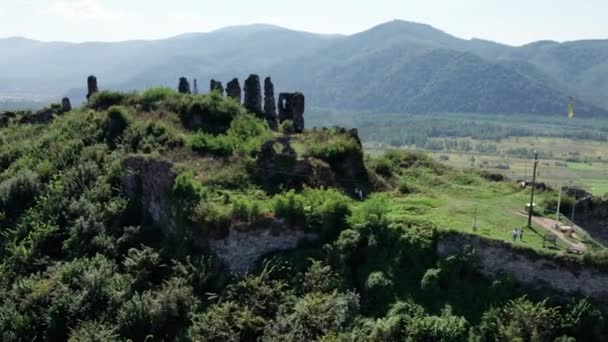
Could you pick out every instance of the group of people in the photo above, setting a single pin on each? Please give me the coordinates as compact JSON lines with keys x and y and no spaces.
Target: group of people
{"x":518,"y":234}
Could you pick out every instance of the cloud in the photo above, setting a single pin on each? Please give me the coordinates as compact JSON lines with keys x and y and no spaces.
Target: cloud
{"x":79,"y":10}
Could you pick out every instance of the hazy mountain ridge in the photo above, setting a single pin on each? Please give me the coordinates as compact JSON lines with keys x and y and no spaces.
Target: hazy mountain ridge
{"x":384,"y":68}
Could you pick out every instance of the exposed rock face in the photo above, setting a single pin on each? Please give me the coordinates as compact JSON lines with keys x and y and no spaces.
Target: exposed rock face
{"x":91,"y":86}
{"x":563,"y":276}
{"x":183,"y":86}
{"x":270,"y":106}
{"x":591,"y":213}
{"x":148,"y":183}
{"x":253,"y":95}
{"x":291,"y":107}
{"x":278,"y":166}
{"x":240,"y":250}
{"x":66,"y":105}
{"x":233,"y":89}
{"x":216,"y":86}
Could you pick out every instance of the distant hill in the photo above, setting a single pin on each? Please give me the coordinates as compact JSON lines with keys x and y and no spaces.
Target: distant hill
{"x":397,"y":66}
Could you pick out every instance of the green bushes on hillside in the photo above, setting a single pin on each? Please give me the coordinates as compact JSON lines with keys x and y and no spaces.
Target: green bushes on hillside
{"x":79,"y":262}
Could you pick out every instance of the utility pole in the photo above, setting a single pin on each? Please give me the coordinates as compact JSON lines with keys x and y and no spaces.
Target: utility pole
{"x":573,"y":207}
{"x":475,"y":220}
{"x":559,"y":202}
{"x":532,"y":192}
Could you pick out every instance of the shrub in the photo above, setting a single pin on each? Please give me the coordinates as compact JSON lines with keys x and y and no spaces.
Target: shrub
{"x":152,"y":98}
{"x":290,"y":206}
{"x":221,"y":145}
{"x":444,"y":328}
{"x":332,"y":146}
{"x":93,"y":331}
{"x":287,"y":127}
{"x":187,"y":190}
{"x":315,"y":315}
{"x":117,"y":122}
{"x":383,"y":167}
{"x":378,"y":290}
{"x":106,"y":99}
{"x":19,"y":192}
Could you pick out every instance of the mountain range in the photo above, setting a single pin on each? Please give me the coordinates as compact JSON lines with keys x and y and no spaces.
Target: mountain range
{"x":394,"y":67}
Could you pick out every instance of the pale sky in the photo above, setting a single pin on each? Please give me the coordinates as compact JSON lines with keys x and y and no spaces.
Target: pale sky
{"x":513,"y":22}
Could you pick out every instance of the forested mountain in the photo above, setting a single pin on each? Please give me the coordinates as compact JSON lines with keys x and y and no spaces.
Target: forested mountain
{"x":397,"y":67}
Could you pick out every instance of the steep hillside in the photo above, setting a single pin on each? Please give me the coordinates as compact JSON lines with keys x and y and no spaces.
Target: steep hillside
{"x":138,"y":215}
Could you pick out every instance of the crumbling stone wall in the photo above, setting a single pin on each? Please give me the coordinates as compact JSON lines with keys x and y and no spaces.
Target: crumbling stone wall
{"x":241,"y":249}
{"x":561,"y":277}
{"x":147,"y":183}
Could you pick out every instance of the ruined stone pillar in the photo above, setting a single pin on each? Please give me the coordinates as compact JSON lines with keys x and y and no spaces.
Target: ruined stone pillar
{"x":91,"y":86}
{"x":195,"y":87}
{"x":216,"y":86}
{"x":270,"y":107}
{"x":291,"y":107}
{"x":184,"y":86}
{"x":297,"y":108}
{"x":285,"y":112}
{"x":66,"y":105}
{"x":253,"y":95}
{"x":233,"y":89}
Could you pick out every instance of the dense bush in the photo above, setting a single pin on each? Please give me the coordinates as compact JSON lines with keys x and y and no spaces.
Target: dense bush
{"x":221,"y":145}
{"x":331,"y":145}
{"x":106,"y":99}
{"x":18,"y":193}
{"x":78,"y":262}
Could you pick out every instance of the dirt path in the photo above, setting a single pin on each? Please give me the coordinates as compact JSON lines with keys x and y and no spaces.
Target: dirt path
{"x":549,"y":224}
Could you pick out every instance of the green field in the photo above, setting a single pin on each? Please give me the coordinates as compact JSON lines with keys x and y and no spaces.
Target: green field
{"x":451,"y":199}
{"x":567,"y":162}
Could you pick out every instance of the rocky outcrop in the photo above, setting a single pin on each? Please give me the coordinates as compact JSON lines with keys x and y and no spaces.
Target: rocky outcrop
{"x":216,"y":86}
{"x":270,"y":106}
{"x":278,"y":167}
{"x":91,"y":86}
{"x":183,"y":86}
{"x":241,"y":249}
{"x":233,"y":89}
{"x":560,"y":277}
{"x":350,"y":168}
{"x":291,"y":107}
{"x":43,"y":116}
{"x":66,"y":105}
{"x":147,"y":183}
{"x":253,"y":95}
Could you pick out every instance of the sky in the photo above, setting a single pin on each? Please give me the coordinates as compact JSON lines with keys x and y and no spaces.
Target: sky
{"x":514,"y":22}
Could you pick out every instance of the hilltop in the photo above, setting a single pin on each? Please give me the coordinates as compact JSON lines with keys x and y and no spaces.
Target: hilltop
{"x":167,"y":215}
{"x":398,"y":67}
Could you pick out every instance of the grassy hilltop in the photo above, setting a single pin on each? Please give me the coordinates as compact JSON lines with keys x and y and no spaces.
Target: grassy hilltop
{"x":80,"y":260}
